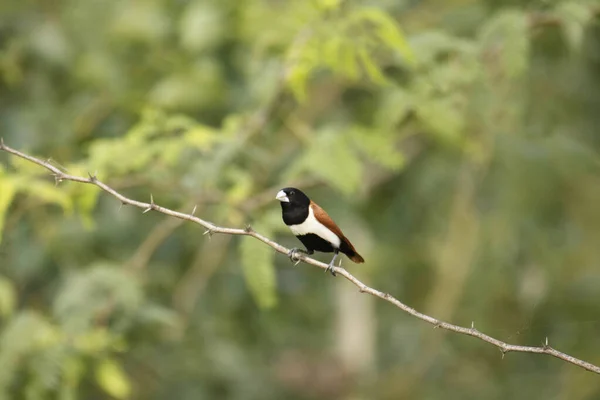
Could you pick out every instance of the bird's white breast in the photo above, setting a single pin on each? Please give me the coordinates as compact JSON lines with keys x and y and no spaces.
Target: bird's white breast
{"x":312,"y":225}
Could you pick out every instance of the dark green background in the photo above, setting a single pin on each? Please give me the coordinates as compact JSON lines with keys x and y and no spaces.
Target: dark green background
{"x":456,"y":143}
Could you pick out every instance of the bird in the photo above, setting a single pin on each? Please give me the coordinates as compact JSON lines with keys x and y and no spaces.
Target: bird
{"x":313,"y":227}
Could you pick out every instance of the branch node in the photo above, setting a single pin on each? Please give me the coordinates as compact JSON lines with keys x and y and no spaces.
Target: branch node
{"x":437,"y":325}
{"x":473,"y":330}
{"x":546,"y":346}
{"x":93,"y":177}
{"x":248,"y":229}
{"x":503,"y":351}
{"x":208,"y":232}
{"x":152,"y":206}
{"x":57,"y":179}
{"x":361,"y":289}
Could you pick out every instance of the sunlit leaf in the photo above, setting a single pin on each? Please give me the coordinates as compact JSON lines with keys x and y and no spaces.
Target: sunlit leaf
{"x":112,"y":379}
{"x":201,"y":26}
{"x":47,"y":192}
{"x":348,"y":62}
{"x":388,"y":31}
{"x":329,"y":5}
{"x":372,"y":69}
{"x":297,"y":78}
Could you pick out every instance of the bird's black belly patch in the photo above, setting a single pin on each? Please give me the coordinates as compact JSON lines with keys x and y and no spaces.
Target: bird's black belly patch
{"x":314,"y":242}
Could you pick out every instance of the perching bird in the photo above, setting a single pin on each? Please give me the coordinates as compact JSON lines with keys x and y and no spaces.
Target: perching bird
{"x":313,"y":227}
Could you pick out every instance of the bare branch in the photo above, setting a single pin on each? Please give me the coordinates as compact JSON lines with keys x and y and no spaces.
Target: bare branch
{"x":248,"y":231}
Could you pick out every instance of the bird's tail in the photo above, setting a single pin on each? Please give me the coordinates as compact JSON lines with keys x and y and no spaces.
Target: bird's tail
{"x":350,"y":251}
{"x":357,"y":258}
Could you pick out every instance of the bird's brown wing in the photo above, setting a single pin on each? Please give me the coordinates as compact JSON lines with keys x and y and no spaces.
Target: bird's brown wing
{"x":324,"y":218}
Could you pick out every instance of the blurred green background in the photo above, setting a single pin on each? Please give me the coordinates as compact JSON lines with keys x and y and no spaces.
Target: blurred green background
{"x":456,"y":142}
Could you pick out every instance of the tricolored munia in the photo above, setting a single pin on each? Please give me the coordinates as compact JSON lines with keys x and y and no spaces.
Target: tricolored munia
{"x":314,"y":227}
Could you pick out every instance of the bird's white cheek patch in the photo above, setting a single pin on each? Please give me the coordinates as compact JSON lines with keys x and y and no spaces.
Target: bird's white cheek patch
{"x":312,"y":225}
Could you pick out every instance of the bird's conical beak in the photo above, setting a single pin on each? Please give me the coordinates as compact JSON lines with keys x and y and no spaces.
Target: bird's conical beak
{"x":281,"y":196}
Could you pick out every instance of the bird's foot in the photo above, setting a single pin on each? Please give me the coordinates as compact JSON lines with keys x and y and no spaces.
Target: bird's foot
{"x":293,"y":255}
{"x":330,"y":269}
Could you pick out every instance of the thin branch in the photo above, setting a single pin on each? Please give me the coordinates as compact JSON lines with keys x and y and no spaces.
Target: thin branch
{"x":248,"y":231}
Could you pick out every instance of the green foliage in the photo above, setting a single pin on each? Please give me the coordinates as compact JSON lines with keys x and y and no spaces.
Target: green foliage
{"x":508,"y":33}
{"x":258,"y":265}
{"x":347,"y":44}
{"x":98,"y":290}
{"x":332,"y":159}
{"x":455,"y":143}
{"x":8,"y":298}
{"x":7,"y":192}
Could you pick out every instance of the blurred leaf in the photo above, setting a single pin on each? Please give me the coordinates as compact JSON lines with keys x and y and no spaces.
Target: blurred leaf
{"x":379,"y":146}
{"x":102,"y":291}
{"x":442,"y":119}
{"x":329,"y":5}
{"x":201,"y":26}
{"x":144,"y":22}
{"x":8,"y":297}
{"x":73,"y":369}
{"x":395,"y":105}
{"x":330,"y":157}
{"x":258,"y":267}
{"x":508,"y":32}
{"x":388,"y":31}
{"x":93,"y":341}
{"x":47,"y":193}
{"x":575,"y":16}
{"x":372,"y":69}
{"x":112,"y":379}
{"x":27,"y":331}
{"x":7,"y":192}
{"x":297,"y":78}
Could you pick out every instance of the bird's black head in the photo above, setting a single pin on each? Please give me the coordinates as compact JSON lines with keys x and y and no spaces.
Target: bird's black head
{"x":295,"y":205}
{"x":292,"y":197}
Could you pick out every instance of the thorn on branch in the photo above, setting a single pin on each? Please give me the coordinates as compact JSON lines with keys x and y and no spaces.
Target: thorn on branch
{"x":208,"y":232}
{"x":503,"y":351}
{"x":152,"y":206}
{"x":2,"y":143}
{"x":57,"y":179}
{"x":194,"y":210}
{"x":546,"y":346}
{"x":93,"y":178}
{"x":437,"y":325}
{"x":248,"y":229}
{"x":473,"y":330}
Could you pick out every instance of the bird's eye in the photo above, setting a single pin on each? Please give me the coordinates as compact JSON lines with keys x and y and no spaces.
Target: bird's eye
{"x":291,"y":193}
